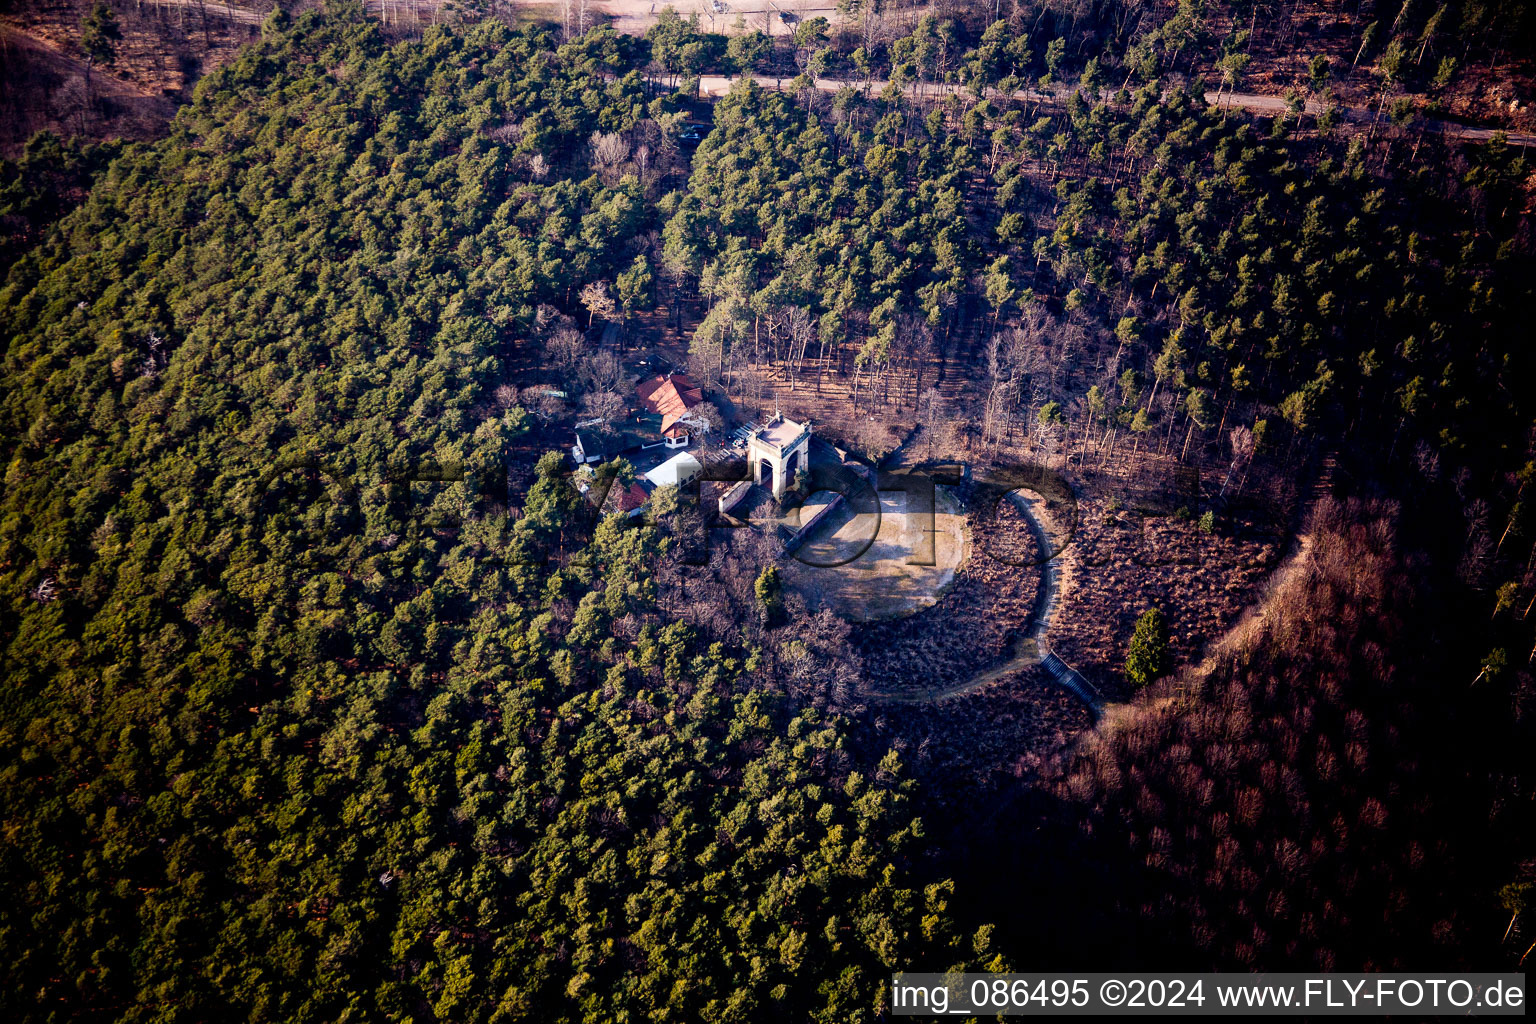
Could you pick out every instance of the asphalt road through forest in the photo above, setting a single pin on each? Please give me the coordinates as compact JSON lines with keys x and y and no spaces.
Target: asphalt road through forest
{"x":719,"y":85}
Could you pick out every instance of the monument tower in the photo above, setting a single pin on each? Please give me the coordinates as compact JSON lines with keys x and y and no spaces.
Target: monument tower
{"x":778,"y":451}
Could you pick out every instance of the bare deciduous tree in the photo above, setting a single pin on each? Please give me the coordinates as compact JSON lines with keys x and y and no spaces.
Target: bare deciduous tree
{"x":604,"y":405}
{"x":604,"y":372}
{"x":609,"y":150}
{"x":933,"y":416}
{"x":598,"y":300}
{"x":567,"y":346}
{"x":705,"y":418}
{"x":1242,"y":451}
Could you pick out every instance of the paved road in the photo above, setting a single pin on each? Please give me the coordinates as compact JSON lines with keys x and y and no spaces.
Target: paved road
{"x":224,"y":11}
{"x":636,"y":15}
{"x":1356,"y":115}
{"x":719,"y":85}
{"x":628,"y":16}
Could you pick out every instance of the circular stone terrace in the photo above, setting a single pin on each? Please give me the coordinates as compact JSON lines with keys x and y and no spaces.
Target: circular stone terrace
{"x":868,"y":565}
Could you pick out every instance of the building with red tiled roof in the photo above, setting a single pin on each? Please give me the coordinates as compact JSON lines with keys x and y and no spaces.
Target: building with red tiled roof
{"x":633,"y":498}
{"x":667,"y":418}
{"x":671,"y":396}
{"x":612,"y":495}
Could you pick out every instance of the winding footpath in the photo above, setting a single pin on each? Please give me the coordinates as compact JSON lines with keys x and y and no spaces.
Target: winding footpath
{"x":1030,"y":649}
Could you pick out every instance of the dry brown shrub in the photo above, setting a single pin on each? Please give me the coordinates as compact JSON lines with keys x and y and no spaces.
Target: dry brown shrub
{"x":1293,"y":794}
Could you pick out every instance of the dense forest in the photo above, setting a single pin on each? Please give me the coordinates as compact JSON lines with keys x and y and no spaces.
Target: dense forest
{"x":325,"y":696}
{"x":272,"y":753}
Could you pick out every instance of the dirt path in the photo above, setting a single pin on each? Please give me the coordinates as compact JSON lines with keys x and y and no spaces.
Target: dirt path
{"x":631,"y":17}
{"x":779,"y":18}
{"x":1257,"y":104}
{"x":1294,"y":562}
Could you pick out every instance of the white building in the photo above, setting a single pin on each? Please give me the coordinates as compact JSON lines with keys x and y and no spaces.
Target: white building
{"x":777,"y":452}
{"x":676,"y":471}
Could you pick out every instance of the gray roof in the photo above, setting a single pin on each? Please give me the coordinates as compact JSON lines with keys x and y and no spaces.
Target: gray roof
{"x":782,"y":433}
{"x":606,"y":444}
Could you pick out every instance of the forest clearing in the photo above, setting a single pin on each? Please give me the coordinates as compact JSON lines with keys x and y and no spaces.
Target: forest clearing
{"x":870,"y":566}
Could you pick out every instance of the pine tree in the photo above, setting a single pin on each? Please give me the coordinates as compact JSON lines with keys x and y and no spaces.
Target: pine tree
{"x":770,"y":595}
{"x":98,"y":34}
{"x":1148,"y":658}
